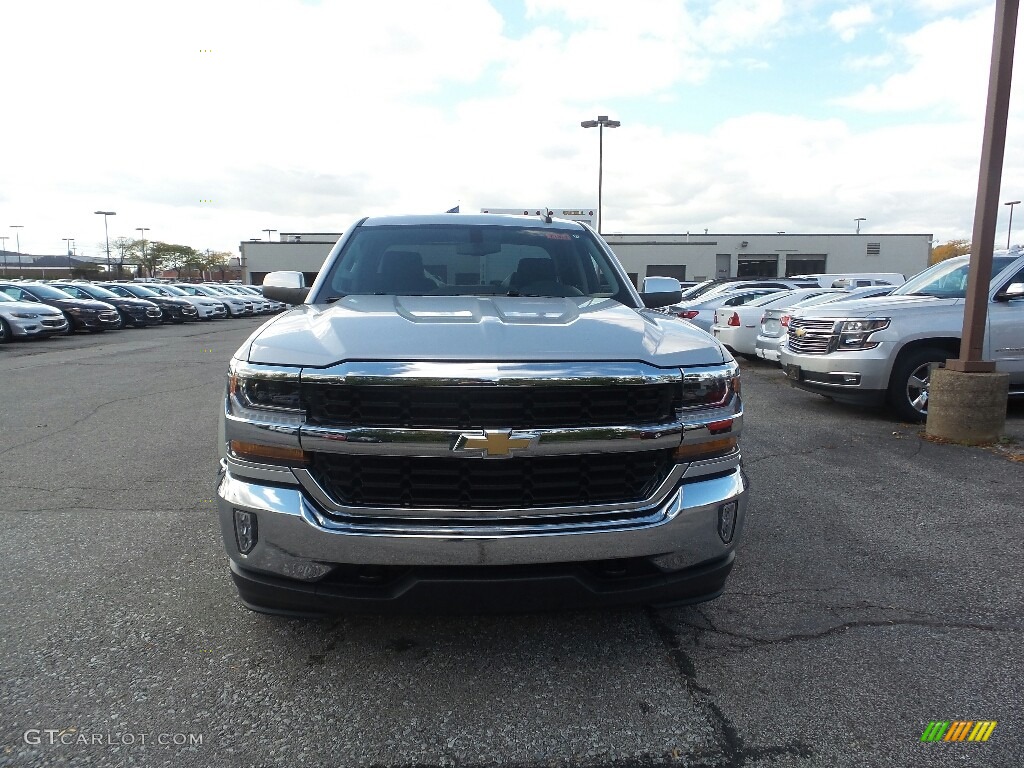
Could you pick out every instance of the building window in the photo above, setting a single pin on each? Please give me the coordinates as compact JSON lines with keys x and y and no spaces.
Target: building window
{"x":758,"y":265}
{"x":805,"y":264}
{"x":874,"y":249}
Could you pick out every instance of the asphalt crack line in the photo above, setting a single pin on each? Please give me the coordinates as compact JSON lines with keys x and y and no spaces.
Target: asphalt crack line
{"x":733,"y":750}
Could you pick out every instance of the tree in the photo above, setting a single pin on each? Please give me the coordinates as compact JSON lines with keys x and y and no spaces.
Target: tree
{"x":170,"y":256}
{"x":949,"y":250}
{"x":217,"y":261}
{"x":123,"y":248}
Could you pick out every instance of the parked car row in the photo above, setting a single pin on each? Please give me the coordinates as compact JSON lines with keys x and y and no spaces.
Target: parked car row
{"x":41,"y":309}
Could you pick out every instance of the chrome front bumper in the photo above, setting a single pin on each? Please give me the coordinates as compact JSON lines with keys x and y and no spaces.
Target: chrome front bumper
{"x":298,"y":541}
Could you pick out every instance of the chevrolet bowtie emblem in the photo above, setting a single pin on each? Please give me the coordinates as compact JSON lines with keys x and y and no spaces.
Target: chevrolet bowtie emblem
{"x":800,"y":331}
{"x":493,"y":444}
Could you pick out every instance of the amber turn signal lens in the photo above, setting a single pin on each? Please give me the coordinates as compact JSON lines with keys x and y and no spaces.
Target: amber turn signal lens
{"x":706,"y":450}
{"x":275,"y":453}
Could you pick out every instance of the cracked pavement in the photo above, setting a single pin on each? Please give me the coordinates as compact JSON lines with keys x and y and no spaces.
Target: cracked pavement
{"x":877,"y":588}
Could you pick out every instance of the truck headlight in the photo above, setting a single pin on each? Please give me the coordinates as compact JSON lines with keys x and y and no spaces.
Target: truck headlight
{"x":854,"y":334}
{"x":710,"y":389}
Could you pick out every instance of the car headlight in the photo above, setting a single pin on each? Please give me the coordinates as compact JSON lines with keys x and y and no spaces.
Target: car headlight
{"x":266,"y":406}
{"x":710,"y":389}
{"x":854,"y":334}
{"x":264,"y":389}
{"x":25,"y":315}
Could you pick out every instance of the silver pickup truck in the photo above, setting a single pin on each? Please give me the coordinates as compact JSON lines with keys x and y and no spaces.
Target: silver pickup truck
{"x":879,"y":350}
{"x":477,"y":411}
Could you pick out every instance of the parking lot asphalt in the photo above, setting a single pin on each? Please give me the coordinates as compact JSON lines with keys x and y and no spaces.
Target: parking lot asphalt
{"x":877,"y":589}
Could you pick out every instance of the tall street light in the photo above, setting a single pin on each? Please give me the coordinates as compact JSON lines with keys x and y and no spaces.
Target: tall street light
{"x":142,"y":237}
{"x":70,"y":241}
{"x":1009,"y":227}
{"x":601,"y":123}
{"x":3,"y":243}
{"x":106,"y":232}
{"x":859,"y":219}
{"x":17,"y":238}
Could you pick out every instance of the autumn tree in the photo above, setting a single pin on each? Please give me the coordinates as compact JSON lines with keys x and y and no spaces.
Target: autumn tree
{"x":949,"y":250}
{"x":170,"y":256}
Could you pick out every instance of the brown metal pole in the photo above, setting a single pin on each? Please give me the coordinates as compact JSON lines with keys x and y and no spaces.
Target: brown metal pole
{"x":987,"y":208}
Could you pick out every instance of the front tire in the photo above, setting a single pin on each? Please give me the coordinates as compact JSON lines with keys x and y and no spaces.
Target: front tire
{"x":5,"y":331}
{"x":908,"y":386}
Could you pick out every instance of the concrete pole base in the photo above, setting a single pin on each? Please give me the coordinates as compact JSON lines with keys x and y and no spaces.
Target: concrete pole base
{"x":967,"y":407}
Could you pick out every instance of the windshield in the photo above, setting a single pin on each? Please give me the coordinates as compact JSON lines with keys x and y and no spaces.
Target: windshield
{"x":947,"y":279}
{"x":168,"y":290}
{"x":46,"y":291}
{"x":472,"y":260}
{"x":92,"y":291}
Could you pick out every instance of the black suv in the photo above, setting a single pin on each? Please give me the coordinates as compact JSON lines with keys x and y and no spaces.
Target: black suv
{"x":137,"y":312}
{"x":175,"y":310}
{"x":82,"y":314}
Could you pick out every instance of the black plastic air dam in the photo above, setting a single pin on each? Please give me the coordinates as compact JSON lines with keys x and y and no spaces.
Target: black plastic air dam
{"x":486,"y":589}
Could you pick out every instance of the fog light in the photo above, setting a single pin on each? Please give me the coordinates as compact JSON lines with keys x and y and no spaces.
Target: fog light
{"x":727,"y":521}
{"x":245,"y":531}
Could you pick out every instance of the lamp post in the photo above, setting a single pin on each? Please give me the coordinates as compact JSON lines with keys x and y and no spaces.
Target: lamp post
{"x":106,"y":232}
{"x":142,"y":237}
{"x":601,"y":123}
{"x":1009,"y":227}
{"x":17,"y":239}
{"x":3,"y":243}
{"x":268,"y":231}
{"x":859,"y":219}
{"x":70,"y":241}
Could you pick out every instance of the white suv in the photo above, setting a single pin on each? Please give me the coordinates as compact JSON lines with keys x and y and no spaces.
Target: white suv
{"x":880,"y":350}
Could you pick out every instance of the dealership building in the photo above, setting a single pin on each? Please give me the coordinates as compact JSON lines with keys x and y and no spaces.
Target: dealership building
{"x":684,"y":256}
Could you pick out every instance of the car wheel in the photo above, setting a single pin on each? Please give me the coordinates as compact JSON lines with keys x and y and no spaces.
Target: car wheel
{"x":124,"y":319}
{"x":71,"y":326}
{"x":908,"y":387}
{"x":5,"y":331}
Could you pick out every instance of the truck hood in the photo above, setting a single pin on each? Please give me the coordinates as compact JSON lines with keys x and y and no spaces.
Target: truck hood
{"x":476,"y":328}
{"x":878,"y":306}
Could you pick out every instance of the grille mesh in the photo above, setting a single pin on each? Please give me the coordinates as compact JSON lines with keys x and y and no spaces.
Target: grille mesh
{"x":478,"y":407}
{"x":516,"y":483}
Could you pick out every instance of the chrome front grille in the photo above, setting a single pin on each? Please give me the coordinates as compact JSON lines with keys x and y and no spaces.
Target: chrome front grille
{"x":812,"y":337}
{"x":108,"y":315}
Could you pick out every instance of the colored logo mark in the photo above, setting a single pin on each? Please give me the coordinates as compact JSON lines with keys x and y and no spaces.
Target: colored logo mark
{"x":959,"y":730}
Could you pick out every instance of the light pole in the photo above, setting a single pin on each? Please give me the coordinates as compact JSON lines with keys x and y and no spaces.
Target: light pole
{"x":859,"y":219}
{"x":70,"y":241}
{"x":17,"y":239}
{"x":3,"y":242}
{"x":268,"y":231}
{"x":601,"y":123}
{"x":143,"y":231}
{"x":1009,"y":227}
{"x":106,"y":232}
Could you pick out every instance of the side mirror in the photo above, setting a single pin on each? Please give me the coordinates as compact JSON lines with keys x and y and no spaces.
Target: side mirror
{"x":1013,"y":291}
{"x":289,"y":287}
{"x":660,"y":292}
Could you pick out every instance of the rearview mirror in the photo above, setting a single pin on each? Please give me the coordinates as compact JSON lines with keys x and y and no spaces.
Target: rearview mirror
{"x":289,"y":287}
{"x":660,"y":292}
{"x":1013,"y":291}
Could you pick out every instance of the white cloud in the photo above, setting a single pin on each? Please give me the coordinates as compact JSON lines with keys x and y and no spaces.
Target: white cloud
{"x":849,"y":21}
{"x":947,"y":70}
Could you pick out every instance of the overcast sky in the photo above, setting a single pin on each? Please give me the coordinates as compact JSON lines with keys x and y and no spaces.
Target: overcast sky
{"x":211,"y":121}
